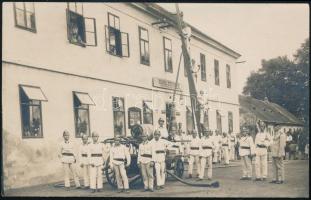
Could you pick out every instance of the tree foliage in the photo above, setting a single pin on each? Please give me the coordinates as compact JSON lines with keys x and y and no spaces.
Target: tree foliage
{"x":284,"y":81}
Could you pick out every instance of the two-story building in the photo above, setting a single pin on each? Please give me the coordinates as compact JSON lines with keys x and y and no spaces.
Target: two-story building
{"x":99,"y":67}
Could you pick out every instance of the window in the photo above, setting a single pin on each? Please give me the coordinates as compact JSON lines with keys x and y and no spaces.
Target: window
{"x":216,"y":70}
{"x":168,"y":63}
{"x":228,"y":76}
{"x":118,"y":115}
{"x":144,"y":46}
{"x":203,"y":67}
{"x":134,"y":116}
{"x":230,"y":122}
{"x":189,"y":120}
{"x":80,"y":30}
{"x":31,"y":114}
{"x":24,"y":13}
{"x":117,"y":42}
{"x":147,"y":112}
{"x":206,"y":123}
{"x":81,"y":102}
{"x":218,"y":120}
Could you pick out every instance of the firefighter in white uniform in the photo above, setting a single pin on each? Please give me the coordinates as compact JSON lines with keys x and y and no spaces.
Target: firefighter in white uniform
{"x":216,"y":150}
{"x":225,"y":145}
{"x":118,"y":155}
{"x":68,"y":159}
{"x":84,"y":160}
{"x":145,"y":163}
{"x":233,"y":142}
{"x":194,"y":153}
{"x":162,"y":128}
{"x":158,"y":157}
{"x":206,"y":154}
{"x":96,"y":161}
{"x":262,"y":142}
{"x":246,"y":151}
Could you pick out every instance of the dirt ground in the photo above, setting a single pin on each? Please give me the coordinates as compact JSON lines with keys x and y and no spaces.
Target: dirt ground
{"x":296,"y":185}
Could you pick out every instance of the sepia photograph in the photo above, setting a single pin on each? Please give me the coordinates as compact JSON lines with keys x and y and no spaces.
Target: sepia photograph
{"x":155,"y":99}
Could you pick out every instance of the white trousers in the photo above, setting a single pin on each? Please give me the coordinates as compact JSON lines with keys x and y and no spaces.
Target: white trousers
{"x":147,"y":174}
{"x":209,"y":167}
{"x":86,"y":175}
{"x":216,"y":154}
{"x":160,"y":173}
{"x":232,"y":153}
{"x":67,"y":168}
{"x":261,"y":166}
{"x":96,"y":177}
{"x":225,"y":151}
{"x":192,"y":159}
{"x":121,"y":176}
{"x":246,"y":166}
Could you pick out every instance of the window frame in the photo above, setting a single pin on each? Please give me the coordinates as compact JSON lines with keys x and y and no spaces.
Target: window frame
{"x":74,"y":113}
{"x":21,"y":112}
{"x":145,"y":42}
{"x":216,"y":75}
{"x":143,"y":115}
{"x":114,"y":111}
{"x":25,"y":17}
{"x":218,"y":114}
{"x":170,"y":51}
{"x":228,"y":76}
{"x":203,"y":73}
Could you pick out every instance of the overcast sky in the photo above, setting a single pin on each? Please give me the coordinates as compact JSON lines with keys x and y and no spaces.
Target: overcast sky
{"x":256,"y":31}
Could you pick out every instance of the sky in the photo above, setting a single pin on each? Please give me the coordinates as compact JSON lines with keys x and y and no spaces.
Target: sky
{"x":256,"y":31}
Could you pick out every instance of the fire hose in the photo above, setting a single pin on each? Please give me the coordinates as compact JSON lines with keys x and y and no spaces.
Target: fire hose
{"x":213,"y":185}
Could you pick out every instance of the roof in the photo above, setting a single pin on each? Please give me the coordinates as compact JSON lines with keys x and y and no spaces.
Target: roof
{"x":158,"y":11}
{"x":267,"y":111}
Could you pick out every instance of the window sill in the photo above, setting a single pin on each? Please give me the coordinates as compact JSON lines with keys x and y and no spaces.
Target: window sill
{"x":25,"y":28}
{"x":31,"y":137}
{"x":115,"y":54}
{"x":145,"y":63}
{"x":78,"y":44}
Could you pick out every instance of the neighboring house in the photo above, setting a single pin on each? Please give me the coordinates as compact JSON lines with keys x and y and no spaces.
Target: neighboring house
{"x":253,"y":109}
{"x":98,"y":67}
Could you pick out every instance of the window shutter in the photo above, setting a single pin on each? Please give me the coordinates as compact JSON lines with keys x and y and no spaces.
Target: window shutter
{"x":81,"y":27}
{"x":90,"y":31}
{"x":107,"y":37}
{"x":68,"y":24}
{"x":118,"y":40}
{"x":125,"y":44}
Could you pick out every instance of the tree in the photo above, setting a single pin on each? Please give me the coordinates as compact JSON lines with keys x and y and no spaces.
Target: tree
{"x":284,"y":82}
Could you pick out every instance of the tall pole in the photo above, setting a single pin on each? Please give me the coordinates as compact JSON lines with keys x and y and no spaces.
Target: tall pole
{"x":187,"y":64}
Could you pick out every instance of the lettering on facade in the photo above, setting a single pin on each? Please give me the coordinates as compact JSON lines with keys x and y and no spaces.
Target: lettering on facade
{"x":166,"y":84}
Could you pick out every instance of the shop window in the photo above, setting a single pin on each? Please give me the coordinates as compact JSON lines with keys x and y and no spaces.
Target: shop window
{"x":24,"y":13}
{"x":81,"y":102}
{"x":228,"y":73}
{"x":216,"y":71}
{"x":144,"y":46}
{"x":80,"y":30}
{"x":31,"y":112}
{"x":203,"y":67}
{"x":147,"y":112}
{"x":230,"y":122}
{"x":118,"y":116}
{"x":134,"y":116}
{"x":218,"y":120}
{"x":168,"y":62}
{"x":117,"y":42}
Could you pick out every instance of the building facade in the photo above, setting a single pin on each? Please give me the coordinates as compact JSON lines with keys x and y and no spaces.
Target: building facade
{"x":98,"y":67}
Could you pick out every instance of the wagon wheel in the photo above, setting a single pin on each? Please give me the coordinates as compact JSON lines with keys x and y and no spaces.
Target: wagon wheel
{"x":110,"y":175}
{"x":179,"y":168}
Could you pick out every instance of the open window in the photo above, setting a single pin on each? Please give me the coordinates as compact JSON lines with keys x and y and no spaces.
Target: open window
{"x":203,"y":67}
{"x":168,"y":62}
{"x":228,"y":73}
{"x":80,"y":30}
{"x":81,"y":102}
{"x":147,"y":112}
{"x":218,"y":121}
{"x":31,"y":113}
{"x":216,"y":72}
{"x":230,"y":122}
{"x":117,"y":42}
